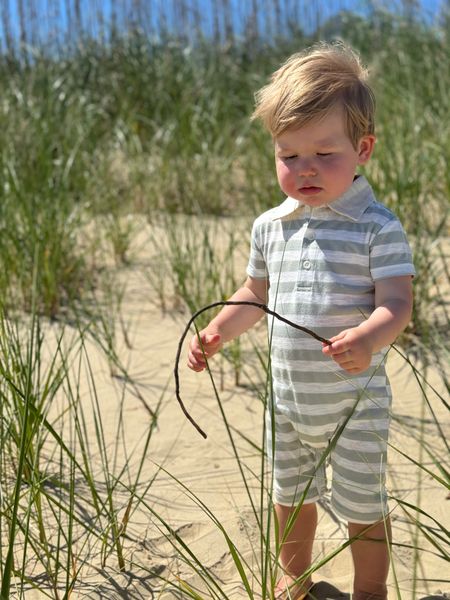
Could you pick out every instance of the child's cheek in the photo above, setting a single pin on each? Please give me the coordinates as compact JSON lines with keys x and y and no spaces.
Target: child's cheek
{"x":286,"y":179}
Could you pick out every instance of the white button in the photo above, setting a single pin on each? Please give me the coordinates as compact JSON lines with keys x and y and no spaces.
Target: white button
{"x":310,"y":234}
{"x":306,"y":264}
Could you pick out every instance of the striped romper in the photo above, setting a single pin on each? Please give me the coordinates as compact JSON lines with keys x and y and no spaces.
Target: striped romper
{"x":322,"y":265}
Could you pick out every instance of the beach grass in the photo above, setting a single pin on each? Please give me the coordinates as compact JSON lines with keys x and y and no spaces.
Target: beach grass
{"x":103,"y":132}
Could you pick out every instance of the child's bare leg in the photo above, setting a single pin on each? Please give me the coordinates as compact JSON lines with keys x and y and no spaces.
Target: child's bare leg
{"x":371,"y":560}
{"x":296,"y":550}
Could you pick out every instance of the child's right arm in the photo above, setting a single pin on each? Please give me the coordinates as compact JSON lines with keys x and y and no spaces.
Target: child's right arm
{"x":229,"y":323}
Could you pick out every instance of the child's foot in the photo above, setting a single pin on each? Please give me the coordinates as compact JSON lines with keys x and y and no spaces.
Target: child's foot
{"x":287,"y":589}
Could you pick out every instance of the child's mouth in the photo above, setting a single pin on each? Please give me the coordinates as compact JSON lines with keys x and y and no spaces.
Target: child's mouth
{"x":310,"y":190}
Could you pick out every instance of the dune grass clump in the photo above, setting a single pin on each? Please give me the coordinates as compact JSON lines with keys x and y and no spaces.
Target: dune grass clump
{"x":63,"y":506}
{"x":43,"y":162}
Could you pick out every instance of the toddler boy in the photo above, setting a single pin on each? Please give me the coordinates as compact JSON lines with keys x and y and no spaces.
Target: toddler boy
{"x":335,"y":260}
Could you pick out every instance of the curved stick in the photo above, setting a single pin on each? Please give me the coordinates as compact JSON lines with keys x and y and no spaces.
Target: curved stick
{"x":264,"y":308}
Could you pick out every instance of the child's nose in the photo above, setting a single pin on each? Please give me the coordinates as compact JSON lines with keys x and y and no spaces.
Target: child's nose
{"x":306,"y":167}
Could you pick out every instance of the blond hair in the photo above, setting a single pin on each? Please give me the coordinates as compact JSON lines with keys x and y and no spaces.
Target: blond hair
{"x":311,"y":83}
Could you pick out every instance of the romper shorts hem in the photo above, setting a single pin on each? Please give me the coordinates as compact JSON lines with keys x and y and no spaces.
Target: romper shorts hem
{"x":344,"y":517}
{"x":361,"y":520}
{"x":294,"y":504}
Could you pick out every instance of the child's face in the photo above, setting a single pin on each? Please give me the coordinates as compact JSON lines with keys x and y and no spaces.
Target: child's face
{"x":317,"y":163}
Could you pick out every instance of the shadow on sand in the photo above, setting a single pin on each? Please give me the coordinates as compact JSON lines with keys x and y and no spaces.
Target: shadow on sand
{"x":325,"y":591}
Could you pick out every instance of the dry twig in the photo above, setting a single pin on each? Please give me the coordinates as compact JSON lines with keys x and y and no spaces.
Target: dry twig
{"x":264,"y":308}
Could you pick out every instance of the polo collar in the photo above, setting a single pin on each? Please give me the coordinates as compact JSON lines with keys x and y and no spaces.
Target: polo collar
{"x":352,"y":204}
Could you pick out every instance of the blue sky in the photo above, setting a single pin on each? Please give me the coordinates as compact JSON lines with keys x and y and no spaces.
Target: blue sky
{"x":52,"y":18}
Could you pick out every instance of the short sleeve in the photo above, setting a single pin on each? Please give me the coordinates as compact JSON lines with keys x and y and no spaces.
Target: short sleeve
{"x":256,"y":264}
{"x":390,"y":253}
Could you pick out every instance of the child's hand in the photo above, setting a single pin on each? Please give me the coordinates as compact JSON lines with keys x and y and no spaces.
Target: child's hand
{"x":211,"y":342}
{"x":351,"y":349}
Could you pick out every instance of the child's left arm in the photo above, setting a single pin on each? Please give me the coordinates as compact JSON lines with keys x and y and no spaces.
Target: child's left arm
{"x":352,"y":349}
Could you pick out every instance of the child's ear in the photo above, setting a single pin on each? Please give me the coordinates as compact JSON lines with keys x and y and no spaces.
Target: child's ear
{"x":365,"y":148}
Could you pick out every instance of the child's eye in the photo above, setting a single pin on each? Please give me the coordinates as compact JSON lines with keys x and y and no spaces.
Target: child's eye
{"x":290,"y":157}
{"x":324,"y":153}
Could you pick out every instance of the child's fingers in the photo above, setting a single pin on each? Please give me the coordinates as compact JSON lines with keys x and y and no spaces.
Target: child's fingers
{"x":208,"y":344}
{"x":339,"y":345}
{"x":335,"y":348}
{"x":199,"y":349}
{"x":196,"y":364}
{"x":338,"y":348}
{"x":196,"y":359}
{"x":211,"y":340}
